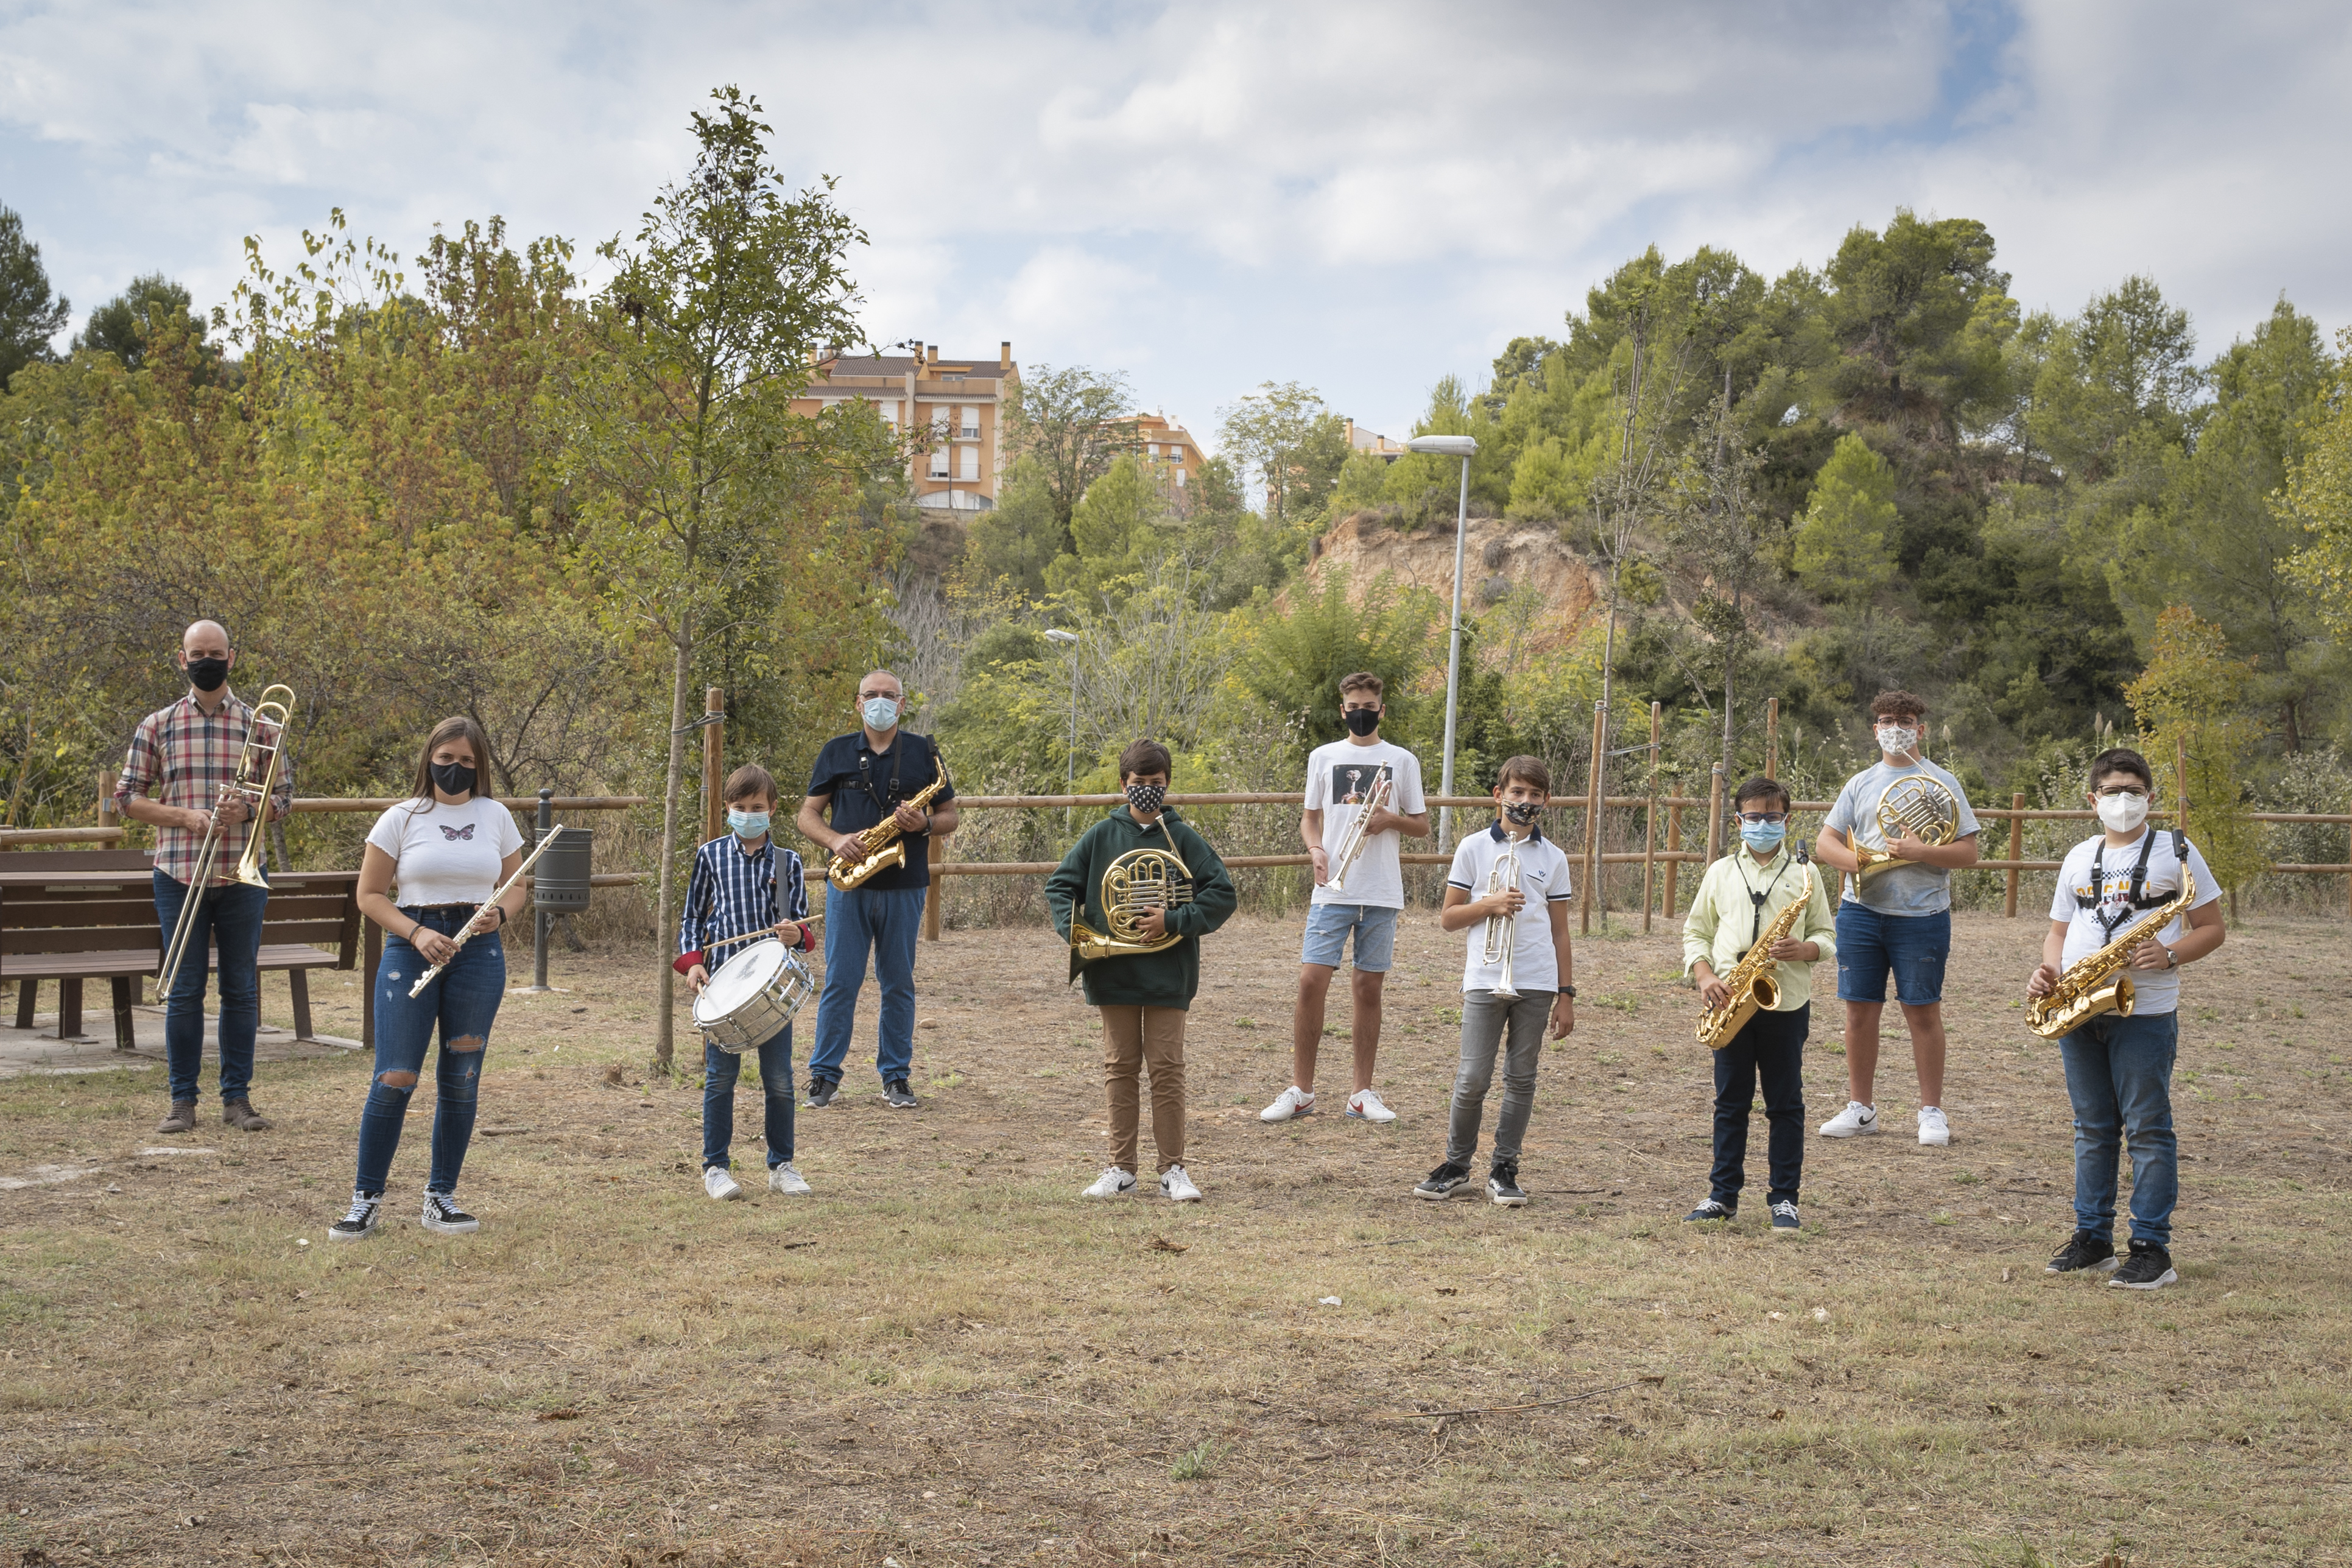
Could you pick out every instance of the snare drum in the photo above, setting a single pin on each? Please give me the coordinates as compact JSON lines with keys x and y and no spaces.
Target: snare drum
{"x":752,"y":996}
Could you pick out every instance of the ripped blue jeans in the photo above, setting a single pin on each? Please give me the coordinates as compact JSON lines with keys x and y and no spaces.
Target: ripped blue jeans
{"x":463,"y":999}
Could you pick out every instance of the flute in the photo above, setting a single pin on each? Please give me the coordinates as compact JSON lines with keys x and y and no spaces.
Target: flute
{"x":466,"y":932}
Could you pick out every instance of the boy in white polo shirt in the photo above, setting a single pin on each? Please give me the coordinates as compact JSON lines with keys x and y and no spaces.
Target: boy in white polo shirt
{"x":1363,"y":899}
{"x":1542,"y":970}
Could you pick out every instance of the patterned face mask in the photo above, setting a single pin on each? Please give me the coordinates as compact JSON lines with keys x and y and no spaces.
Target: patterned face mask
{"x":1146,"y":799}
{"x":1897,"y":739}
{"x":1522,"y":813}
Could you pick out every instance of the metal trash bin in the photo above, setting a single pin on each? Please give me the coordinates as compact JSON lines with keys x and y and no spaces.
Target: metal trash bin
{"x":560,"y":880}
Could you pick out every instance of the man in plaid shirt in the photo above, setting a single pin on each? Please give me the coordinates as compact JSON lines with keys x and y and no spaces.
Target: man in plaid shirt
{"x":188,"y":753}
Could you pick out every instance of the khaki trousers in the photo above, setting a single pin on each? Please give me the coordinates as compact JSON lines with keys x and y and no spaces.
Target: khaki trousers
{"x":1134,"y":1038}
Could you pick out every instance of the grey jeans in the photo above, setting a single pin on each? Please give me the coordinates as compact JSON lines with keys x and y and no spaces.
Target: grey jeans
{"x":1485,"y":1018}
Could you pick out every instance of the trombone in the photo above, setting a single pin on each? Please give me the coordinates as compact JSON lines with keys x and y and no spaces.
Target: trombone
{"x":257,"y":757}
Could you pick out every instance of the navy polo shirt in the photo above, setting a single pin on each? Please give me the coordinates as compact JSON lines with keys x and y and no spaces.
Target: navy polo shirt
{"x":860,"y":781}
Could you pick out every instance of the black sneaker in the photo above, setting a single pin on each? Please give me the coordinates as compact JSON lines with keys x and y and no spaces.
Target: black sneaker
{"x":2084,"y":1250}
{"x":1710,"y":1210}
{"x":1502,"y":1186}
{"x":1442,"y":1182}
{"x":2149,"y":1268}
{"x":1786,"y":1220}
{"x":442,"y":1214}
{"x":360,"y":1222}
{"x":821,"y":1091}
{"x":898,"y":1096}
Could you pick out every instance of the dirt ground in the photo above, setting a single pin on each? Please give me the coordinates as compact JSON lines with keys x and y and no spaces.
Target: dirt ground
{"x":945,"y":1357}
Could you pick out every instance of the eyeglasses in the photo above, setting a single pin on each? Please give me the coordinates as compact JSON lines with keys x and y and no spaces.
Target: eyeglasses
{"x":2114,"y":790}
{"x":1763,"y":816}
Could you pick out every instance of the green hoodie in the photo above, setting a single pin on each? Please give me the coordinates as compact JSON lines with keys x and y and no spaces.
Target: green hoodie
{"x":1163,"y":979}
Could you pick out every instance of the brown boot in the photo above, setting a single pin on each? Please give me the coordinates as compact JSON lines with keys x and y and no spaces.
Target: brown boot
{"x":240,"y":1115}
{"x":183,"y":1118}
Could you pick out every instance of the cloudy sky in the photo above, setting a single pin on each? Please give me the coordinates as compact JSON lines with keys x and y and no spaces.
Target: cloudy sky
{"x":1359,"y":197}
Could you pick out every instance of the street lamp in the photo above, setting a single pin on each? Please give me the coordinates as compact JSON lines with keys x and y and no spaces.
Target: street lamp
{"x":1460,"y":446}
{"x":1070,"y":640}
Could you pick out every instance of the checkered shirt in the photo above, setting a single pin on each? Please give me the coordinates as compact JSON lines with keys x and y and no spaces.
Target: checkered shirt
{"x":731,"y":892}
{"x":185,"y":757}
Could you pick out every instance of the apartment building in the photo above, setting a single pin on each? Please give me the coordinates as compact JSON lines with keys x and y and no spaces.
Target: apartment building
{"x":1167,"y":446}
{"x":1376,"y":445}
{"x":960,"y":404}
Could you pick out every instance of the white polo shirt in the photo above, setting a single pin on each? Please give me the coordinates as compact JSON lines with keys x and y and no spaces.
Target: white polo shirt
{"x":1544,"y":878}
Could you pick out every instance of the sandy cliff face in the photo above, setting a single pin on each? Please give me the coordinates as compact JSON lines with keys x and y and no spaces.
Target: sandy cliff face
{"x":1501,"y":555}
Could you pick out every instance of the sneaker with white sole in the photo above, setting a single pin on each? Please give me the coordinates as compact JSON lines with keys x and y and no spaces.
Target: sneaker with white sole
{"x":1855,"y":1118}
{"x":1177,"y":1187}
{"x":360,"y":1221}
{"x":1291,"y":1103}
{"x":2149,"y":1268}
{"x":1365,"y":1105}
{"x":721,"y":1182}
{"x":1709,"y":1210}
{"x":784,"y":1179}
{"x":443,"y":1215}
{"x":1785,"y":1219}
{"x":1442,"y":1182}
{"x":1503,"y":1188}
{"x":1111,"y":1183}
{"x":1934,"y":1130}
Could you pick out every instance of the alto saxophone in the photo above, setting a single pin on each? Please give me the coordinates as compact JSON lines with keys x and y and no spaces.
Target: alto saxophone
{"x":1751,"y":982}
{"x":2097,"y":983}
{"x":881,"y":846}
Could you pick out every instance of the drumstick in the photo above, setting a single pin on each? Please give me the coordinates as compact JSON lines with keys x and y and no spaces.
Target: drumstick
{"x":465,"y":931}
{"x":755,"y":935}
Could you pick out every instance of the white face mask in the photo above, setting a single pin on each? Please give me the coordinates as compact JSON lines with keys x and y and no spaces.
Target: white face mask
{"x":2122,"y":813}
{"x":1897,"y":740}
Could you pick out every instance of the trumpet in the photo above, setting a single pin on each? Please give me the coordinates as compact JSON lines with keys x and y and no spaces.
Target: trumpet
{"x":1352,"y":841}
{"x":1134,"y":884}
{"x":1919,"y":806}
{"x":1503,"y":930}
{"x":258,"y":756}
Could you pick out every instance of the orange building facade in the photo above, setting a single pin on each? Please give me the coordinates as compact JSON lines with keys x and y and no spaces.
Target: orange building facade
{"x":961,"y":404}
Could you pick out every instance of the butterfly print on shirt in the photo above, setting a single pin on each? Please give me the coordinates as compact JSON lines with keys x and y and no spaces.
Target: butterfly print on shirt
{"x":454,"y":834}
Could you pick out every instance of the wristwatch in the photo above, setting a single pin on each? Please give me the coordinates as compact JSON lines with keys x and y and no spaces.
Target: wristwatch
{"x":2171,"y":958}
{"x":1568,"y":991}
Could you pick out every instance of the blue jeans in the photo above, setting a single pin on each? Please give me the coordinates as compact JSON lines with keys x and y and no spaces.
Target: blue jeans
{"x":1769,"y":1048}
{"x":464,"y":1000}
{"x":1327,"y":925}
{"x":2119,"y":1076}
{"x":1914,"y":945}
{"x":230,"y":919}
{"x":719,"y":1070}
{"x":885,"y":923}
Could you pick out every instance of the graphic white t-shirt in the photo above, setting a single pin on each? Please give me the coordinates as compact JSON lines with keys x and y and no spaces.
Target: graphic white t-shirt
{"x":1340,"y":778}
{"x":447,"y":854}
{"x":1544,"y":878}
{"x":1909,"y":888}
{"x":2155,"y":991}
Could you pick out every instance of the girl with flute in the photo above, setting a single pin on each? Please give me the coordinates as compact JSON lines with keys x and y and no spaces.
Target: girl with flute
{"x":451,"y":848}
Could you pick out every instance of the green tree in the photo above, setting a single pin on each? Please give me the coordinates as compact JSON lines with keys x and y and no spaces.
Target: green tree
{"x":1294,"y":444}
{"x":681,"y":424}
{"x":1070,"y":426}
{"x":1295,"y":659}
{"x":121,"y":327}
{"x":1920,"y":315}
{"x":1841,"y":550}
{"x":30,"y":314}
{"x":2188,"y":702}
{"x":1014,"y":541}
{"x":1121,"y":527}
{"x":2318,"y":498}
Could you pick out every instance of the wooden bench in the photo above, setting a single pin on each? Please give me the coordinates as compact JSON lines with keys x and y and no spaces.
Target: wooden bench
{"x":71,"y":915}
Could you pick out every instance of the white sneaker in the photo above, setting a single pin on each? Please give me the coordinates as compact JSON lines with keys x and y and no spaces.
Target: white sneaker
{"x":1934,"y":1131}
{"x":1291,"y":1102}
{"x":783,"y":1178}
{"x":1855,"y":1118}
{"x":1177,"y":1187}
{"x":1110,"y":1184}
{"x":720,"y":1184}
{"x":1365,"y":1106}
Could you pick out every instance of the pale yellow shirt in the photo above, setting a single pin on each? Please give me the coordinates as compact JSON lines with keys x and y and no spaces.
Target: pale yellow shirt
{"x":1723,"y":918}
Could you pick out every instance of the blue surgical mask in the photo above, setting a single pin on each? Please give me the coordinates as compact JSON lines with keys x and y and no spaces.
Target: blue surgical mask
{"x":880,"y":713}
{"x":1763,"y":836}
{"x":748,"y":825}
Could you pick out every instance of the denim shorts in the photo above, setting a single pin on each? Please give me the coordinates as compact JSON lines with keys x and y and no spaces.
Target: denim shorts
{"x":1913,"y":945}
{"x":1327,"y":925}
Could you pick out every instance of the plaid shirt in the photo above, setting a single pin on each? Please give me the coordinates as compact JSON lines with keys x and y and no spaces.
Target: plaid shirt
{"x":731,"y":892}
{"x":186,"y":756}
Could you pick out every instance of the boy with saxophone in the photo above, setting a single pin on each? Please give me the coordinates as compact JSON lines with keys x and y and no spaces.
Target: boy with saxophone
{"x":1508,"y":887}
{"x":1144,"y":977}
{"x":2119,"y":1068}
{"x":1740,"y":901}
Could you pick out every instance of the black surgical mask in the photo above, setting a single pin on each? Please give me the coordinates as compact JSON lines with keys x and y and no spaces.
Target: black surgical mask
{"x":1362,"y":720}
{"x":207,"y":674}
{"x":453,"y":778}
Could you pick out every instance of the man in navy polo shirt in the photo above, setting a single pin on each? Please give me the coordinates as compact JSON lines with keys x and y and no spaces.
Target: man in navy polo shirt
{"x":863,"y":777}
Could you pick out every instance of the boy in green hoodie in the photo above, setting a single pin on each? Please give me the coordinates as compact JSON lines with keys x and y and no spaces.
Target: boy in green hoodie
{"x":1143,"y":996}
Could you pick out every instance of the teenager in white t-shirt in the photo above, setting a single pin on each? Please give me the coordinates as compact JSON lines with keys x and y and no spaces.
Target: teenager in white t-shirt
{"x":2118,"y":1068}
{"x":448,"y":847}
{"x":1362,"y":900}
{"x":1541,"y":970}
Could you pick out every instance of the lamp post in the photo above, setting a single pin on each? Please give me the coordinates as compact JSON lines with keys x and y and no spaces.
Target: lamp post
{"x":1070,"y":641}
{"x":1460,"y":446}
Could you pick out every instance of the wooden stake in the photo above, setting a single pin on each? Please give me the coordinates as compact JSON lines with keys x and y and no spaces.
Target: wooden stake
{"x":1592,"y":816}
{"x":1673,"y":846}
{"x":1772,"y":737}
{"x":713,"y":753}
{"x":2016,"y":846}
{"x":1650,"y":826}
{"x":1715,"y":816}
{"x":935,"y":895}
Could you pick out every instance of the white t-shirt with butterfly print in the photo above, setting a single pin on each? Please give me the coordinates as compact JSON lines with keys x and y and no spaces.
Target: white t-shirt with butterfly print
{"x":447,"y":854}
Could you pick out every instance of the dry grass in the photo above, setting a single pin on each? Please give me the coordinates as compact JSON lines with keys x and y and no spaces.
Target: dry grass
{"x":945,"y":1357}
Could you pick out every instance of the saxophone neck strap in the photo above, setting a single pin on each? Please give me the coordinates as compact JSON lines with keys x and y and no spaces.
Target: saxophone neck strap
{"x":2137,"y":898}
{"x":1756,"y":930}
{"x":865,"y":773}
